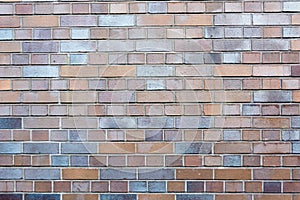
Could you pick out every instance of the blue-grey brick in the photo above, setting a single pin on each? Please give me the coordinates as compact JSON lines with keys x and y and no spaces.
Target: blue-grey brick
{"x":116,"y":20}
{"x":11,"y":148}
{"x":42,"y":174}
{"x":232,"y":135}
{"x":81,"y":33}
{"x":296,"y":147}
{"x":272,"y":96}
{"x":78,"y":46}
{"x":60,"y":161}
{"x":194,"y":197}
{"x":232,"y":161}
{"x":117,"y":174}
{"x":155,"y":122}
{"x":233,"y":19}
{"x":48,"y":148}
{"x":157,"y":186}
{"x":153,"y":135}
{"x":116,"y":45}
{"x":268,"y":45}
{"x":156,"y":174}
{"x":271,"y":19}
{"x":193,"y":148}
{"x":232,"y":45}
{"x":11,"y":196}
{"x":193,"y":122}
{"x":79,"y":20}
{"x":295,"y":122}
{"x":10,"y":174}
{"x":251,"y":110}
{"x":291,"y":32}
{"x":118,"y":122}
{"x":154,"y":45}
{"x":77,"y":59}
{"x":292,"y":6}
{"x":251,"y":32}
{"x":42,"y":196}
{"x":6,"y":34}
{"x":155,"y":85}
{"x":79,"y":148}
{"x":157,"y":7}
{"x":40,"y":71}
{"x":290,"y":135}
{"x":10,"y":123}
{"x":212,"y":58}
{"x":40,"y":47}
{"x":79,"y":161}
{"x":59,"y":135}
{"x":231,"y":57}
{"x":118,"y":197}
{"x":155,"y":71}
{"x":138,"y":186}
{"x":193,"y":58}
{"x":77,"y":135}
{"x":213,"y":32}
{"x":233,"y":32}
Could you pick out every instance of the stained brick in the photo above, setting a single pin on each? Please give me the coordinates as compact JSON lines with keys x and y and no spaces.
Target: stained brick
{"x":193,"y":148}
{"x":40,"y":71}
{"x":118,"y":122}
{"x":291,"y":6}
{"x":155,"y":122}
{"x":271,"y":19}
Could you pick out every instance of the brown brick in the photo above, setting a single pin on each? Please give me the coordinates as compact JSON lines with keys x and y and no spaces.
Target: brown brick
{"x":233,"y":174}
{"x":194,"y":174}
{"x":193,"y":20}
{"x":9,"y":22}
{"x":272,"y":148}
{"x":80,"y":174}
{"x":40,"y":21}
{"x":10,"y":46}
{"x":155,"y":148}
{"x":273,"y":197}
{"x":234,"y":148}
{"x":233,"y":197}
{"x":253,"y":187}
{"x":80,"y":196}
{"x":176,"y":186}
{"x":156,"y":196}
{"x":154,"y":20}
{"x":42,"y":186}
{"x":116,"y":148}
{"x":62,"y":186}
{"x":271,"y":122}
{"x":271,"y":174}
{"x":233,"y":70}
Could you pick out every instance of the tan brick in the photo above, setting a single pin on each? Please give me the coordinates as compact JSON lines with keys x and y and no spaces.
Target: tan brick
{"x":176,"y":186}
{"x":40,"y":21}
{"x":193,"y":96}
{"x":80,"y":196}
{"x":296,"y":19}
{"x":9,"y":22}
{"x":272,"y":148}
{"x":267,"y":70}
{"x":153,"y":97}
{"x":40,"y":97}
{"x":154,"y":20}
{"x":10,"y":97}
{"x":116,"y":148}
{"x":233,"y":70}
{"x":176,"y":7}
{"x":296,"y":96}
{"x":5,"y":85}
{"x":10,"y":46}
{"x":212,"y":109}
{"x":78,"y":96}
{"x":233,"y":148}
{"x":233,"y":96}
{"x":273,"y":197}
{"x":79,"y":122}
{"x":271,"y":122}
{"x":155,"y":148}
{"x":156,"y":196}
{"x":233,"y":174}
{"x":295,"y":45}
{"x":77,"y":71}
{"x":232,"y":122}
{"x":193,"y":20}
{"x":117,"y":71}
{"x":233,"y":197}
{"x":194,"y":174}
{"x":80,"y":174}
{"x":39,"y":122}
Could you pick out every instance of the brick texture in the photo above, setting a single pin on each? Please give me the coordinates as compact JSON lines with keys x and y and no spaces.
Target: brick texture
{"x":144,"y":100}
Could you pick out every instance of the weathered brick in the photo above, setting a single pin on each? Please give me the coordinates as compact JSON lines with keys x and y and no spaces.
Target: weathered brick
{"x":6,"y":34}
{"x":60,"y":161}
{"x":262,"y":148}
{"x":291,"y":6}
{"x":290,"y":135}
{"x":11,"y":174}
{"x":271,"y":174}
{"x":295,"y":122}
{"x":11,"y":196}
{"x":155,"y":71}
{"x":271,"y":19}
{"x":193,"y":122}
{"x":262,"y":70}
{"x":233,"y":19}
{"x":78,"y":46}
{"x":155,"y":122}
{"x":78,"y":21}
{"x":267,"y":45}
{"x":118,"y":122}
{"x":189,"y":45}
{"x":79,"y":148}
{"x":116,"y":20}
{"x":138,"y":186}
{"x":115,"y":174}
{"x":193,"y":148}
{"x":213,"y":32}
{"x":116,"y":45}
{"x":35,"y":123}
{"x":157,"y":174}
{"x":194,"y":174}
{"x":231,"y":45}
{"x":11,"y":148}
{"x":40,"y":71}
{"x":291,"y":31}
{"x":232,"y":148}
{"x":41,"y":174}
{"x":272,"y":96}
{"x":193,"y":20}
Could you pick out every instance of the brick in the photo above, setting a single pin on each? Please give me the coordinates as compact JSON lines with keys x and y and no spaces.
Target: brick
{"x":78,"y":21}
{"x":115,"y":45}
{"x":233,"y":19}
{"x":251,"y":110}
{"x":233,"y":174}
{"x":42,"y":196}
{"x":60,"y":161}
{"x":291,"y":187}
{"x":41,"y":148}
{"x":153,"y":45}
{"x":156,"y":196}
{"x":10,"y":123}
{"x":271,"y":122}
{"x":295,"y":45}
{"x":193,"y":148}
{"x":189,"y":45}
{"x":78,"y":46}
{"x":6,"y":9}
{"x":155,"y":71}
{"x":155,"y":122}
{"x":114,"y":174}
{"x":193,"y":20}
{"x":290,"y":31}
{"x":233,"y":70}
{"x":119,"y":122}
{"x":232,"y":148}
{"x":271,"y":19}
{"x":80,"y":196}
{"x":35,"y":123}
{"x":156,"y":96}
{"x":271,"y":174}
{"x":42,"y":174}
{"x":11,"y":196}
{"x":79,"y":174}
{"x":296,"y":147}
{"x":138,"y":186}
{"x":296,"y":19}
{"x":116,"y":20}
{"x":290,"y":135}
{"x":9,"y":22}
{"x":6,"y":34}
{"x":116,"y":148}
{"x":270,"y":148}
{"x":11,"y":148}
{"x":40,"y":47}
{"x":157,"y":174}
{"x":154,"y":20}
{"x":291,"y":6}
{"x":78,"y":148}
{"x":271,"y":71}
{"x":40,"y":71}
{"x":272,"y":96}
{"x":295,"y":122}
{"x":40,"y":21}
{"x":118,"y":196}
{"x":269,"y":45}
{"x":194,"y":196}
{"x":194,"y":174}
{"x":231,"y":45}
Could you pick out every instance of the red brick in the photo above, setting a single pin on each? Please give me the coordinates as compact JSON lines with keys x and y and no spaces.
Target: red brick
{"x":9,"y":22}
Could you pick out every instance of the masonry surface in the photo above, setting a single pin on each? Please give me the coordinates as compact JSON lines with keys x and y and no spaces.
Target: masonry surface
{"x":146,"y":100}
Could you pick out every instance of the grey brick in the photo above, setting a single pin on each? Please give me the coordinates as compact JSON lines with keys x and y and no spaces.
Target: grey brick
{"x":231,"y":57}
{"x":233,"y":32}
{"x":118,"y":122}
{"x":290,"y":135}
{"x":296,"y":147}
{"x":42,"y":197}
{"x":232,"y":135}
{"x":82,"y":33}
{"x":291,"y":32}
{"x":193,"y":148}
{"x":118,"y":196}
{"x":193,"y":122}
{"x":232,"y":161}
{"x":154,"y":45}
{"x":156,"y":174}
{"x":42,"y":174}
{"x":11,"y":196}
{"x":213,"y":32}
{"x":41,"y":34}
{"x":78,"y":21}
{"x":40,"y":47}
{"x":79,"y":148}
{"x":46,"y":148}
{"x":79,"y":161}
{"x":78,"y":46}
{"x":295,"y":122}
{"x":155,"y":85}
{"x":212,"y":58}
{"x":231,"y":45}
{"x":155,"y":122}
{"x":194,"y":197}
{"x":157,"y":186}
{"x":117,"y":174}
{"x":157,"y":7}
{"x":10,"y":174}
{"x":267,"y":45}
{"x":77,"y":135}
{"x":116,"y":45}
{"x":40,"y":71}
{"x":189,"y":45}
{"x":153,"y":135}
{"x":11,"y":148}
{"x":138,"y":186}
{"x":251,"y":32}
{"x":116,"y":20}
{"x":195,"y":186}
{"x":77,"y":59}
{"x":272,"y":96}
{"x":6,"y":34}
{"x":251,"y":110}
{"x":292,"y":6}
{"x":60,"y":161}
{"x":271,"y":19}
{"x":233,"y":19}
{"x":155,"y":71}
{"x":193,"y":58}
{"x":10,"y":123}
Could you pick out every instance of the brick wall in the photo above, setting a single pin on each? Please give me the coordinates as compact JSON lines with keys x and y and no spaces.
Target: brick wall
{"x":136,"y":100}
